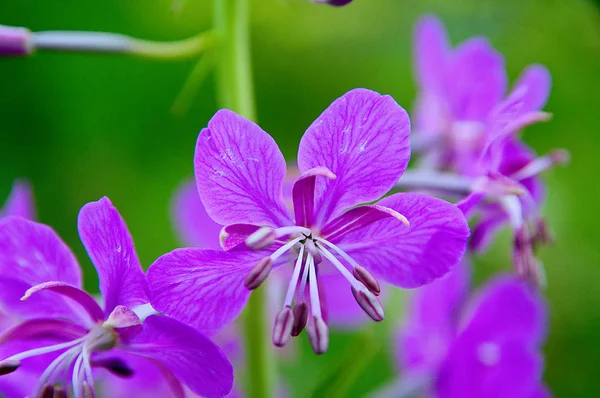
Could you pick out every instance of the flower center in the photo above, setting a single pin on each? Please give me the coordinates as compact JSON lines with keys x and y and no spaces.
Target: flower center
{"x":302,"y":297}
{"x":76,"y":354}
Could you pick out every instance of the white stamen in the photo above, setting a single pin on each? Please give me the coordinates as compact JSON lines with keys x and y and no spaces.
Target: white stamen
{"x":339,"y":251}
{"x":313,"y":290}
{"x":343,"y":270}
{"x":303,"y":281}
{"x":64,"y":360}
{"x":76,"y":381}
{"x":541,"y":164}
{"x":277,"y":253}
{"x":279,"y":232}
{"x":45,"y":350}
{"x":512,"y":206}
{"x":89,"y":377}
{"x":289,"y":297}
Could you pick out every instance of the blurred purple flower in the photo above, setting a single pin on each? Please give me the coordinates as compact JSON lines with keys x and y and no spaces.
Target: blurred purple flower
{"x":335,"y":3}
{"x":41,"y":282}
{"x":486,"y":347}
{"x":466,"y":131}
{"x":19,"y":202}
{"x":352,"y":154}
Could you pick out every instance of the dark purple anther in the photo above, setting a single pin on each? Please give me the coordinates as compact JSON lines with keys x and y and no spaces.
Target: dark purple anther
{"x":60,"y":392}
{"x":318,"y":335}
{"x":367,"y":279}
{"x":9,"y":366}
{"x":300,"y":318}
{"x":259,"y":273}
{"x":284,"y":322}
{"x":47,"y":391}
{"x":15,"y":41}
{"x":369,"y":303}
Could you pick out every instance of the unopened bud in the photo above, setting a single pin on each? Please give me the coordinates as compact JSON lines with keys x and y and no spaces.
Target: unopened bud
{"x":369,"y":303}
{"x":259,"y":273}
{"x":9,"y":366}
{"x":284,"y":322}
{"x":300,"y":318}
{"x":262,"y":238}
{"x":15,"y":41}
{"x":367,"y":279}
{"x":318,"y":335}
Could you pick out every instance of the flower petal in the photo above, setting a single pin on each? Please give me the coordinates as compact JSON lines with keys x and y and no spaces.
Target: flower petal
{"x":193,"y":225}
{"x":32,"y":253}
{"x":358,"y":218}
{"x":431,"y":49}
{"x":47,"y":328}
{"x":240,"y":172}
{"x":430,"y":327}
{"x":507,"y":308}
{"x":363,"y":138}
{"x":475,"y":80}
{"x":19,"y":202}
{"x":201,"y":288}
{"x":192,"y":357}
{"x":149,"y":379}
{"x":411,"y":256}
{"x":110,"y":246}
{"x":79,"y":296}
{"x":535,"y":82}
{"x":303,"y":194}
{"x":507,"y":369}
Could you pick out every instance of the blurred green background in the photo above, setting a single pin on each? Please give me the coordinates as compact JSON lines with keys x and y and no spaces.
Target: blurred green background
{"x":81,"y":126}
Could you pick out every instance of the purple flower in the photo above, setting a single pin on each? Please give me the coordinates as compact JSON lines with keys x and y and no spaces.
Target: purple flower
{"x":352,"y":154}
{"x":336,"y":3}
{"x":488,"y":346}
{"x":41,"y":283}
{"x":19,"y":202}
{"x":466,"y":130}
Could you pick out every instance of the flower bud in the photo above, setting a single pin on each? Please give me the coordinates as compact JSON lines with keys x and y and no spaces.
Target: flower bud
{"x":15,"y":41}
{"x":367,"y":279}
{"x":369,"y":303}
{"x":300,"y":318}
{"x":318,"y":335}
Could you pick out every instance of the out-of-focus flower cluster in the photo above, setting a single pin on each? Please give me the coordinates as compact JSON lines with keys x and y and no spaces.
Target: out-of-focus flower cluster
{"x":331,"y":228}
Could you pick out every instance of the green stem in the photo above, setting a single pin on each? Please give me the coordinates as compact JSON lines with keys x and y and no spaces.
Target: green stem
{"x":235,"y":91}
{"x":113,"y":43}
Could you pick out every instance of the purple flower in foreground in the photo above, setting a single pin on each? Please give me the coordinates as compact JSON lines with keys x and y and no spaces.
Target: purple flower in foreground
{"x":466,"y":130}
{"x":486,"y":347}
{"x":352,"y":154}
{"x":41,"y":283}
{"x":19,"y":202}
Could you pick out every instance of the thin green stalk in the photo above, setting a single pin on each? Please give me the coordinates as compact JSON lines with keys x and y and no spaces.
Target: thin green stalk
{"x":113,"y":43}
{"x":236,"y":92}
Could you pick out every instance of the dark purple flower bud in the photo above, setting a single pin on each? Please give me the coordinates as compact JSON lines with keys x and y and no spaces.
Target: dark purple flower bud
{"x":369,"y":303}
{"x":284,"y":322}
{"x":47,"y":391}
{"x":15,"y":41}
{"x":259,"y":273}
{"x":318,"y":335}
{"x":262,"y":238}
{"x":9,"y":366}
{"x":300,"y":318}
{"x":367,"y":279}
